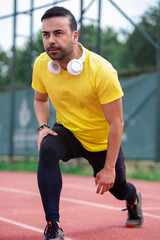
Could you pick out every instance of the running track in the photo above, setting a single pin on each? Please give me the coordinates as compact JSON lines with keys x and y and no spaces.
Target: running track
{"x":84,"y":214}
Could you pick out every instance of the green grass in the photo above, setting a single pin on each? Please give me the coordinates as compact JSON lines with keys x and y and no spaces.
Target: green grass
{"x":145,"y":170}
{"x":19,"y":166}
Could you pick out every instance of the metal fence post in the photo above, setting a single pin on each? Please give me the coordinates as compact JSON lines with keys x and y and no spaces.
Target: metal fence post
{"x":13,"y":78}
{"x":99,"y":29}
{"x":158,"y":93}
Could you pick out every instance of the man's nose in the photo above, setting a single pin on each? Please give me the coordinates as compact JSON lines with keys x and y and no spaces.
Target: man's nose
{"x":52,"y":39}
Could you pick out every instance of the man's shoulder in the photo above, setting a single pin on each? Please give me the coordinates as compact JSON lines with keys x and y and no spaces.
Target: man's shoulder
{"x":98,"y":62}
{"x":43,"y":57}
{"x":94,"y":56}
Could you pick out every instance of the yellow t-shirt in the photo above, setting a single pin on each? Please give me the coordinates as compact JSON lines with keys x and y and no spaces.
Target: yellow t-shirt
{"x":77,"y":99}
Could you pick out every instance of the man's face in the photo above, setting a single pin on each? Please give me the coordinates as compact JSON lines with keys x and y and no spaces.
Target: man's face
{"x":58,"y":39}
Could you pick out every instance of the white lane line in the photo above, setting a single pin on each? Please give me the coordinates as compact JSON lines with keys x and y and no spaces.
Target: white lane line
{"x":76,"y":201}
{"x":151,"y":197}
{"x":71,"y":200}
{"x":72,"y":186}
{"x":104,"y":206}
{"x":79,"y":187}
{"x":25,"y":226}
{"x":151,"y":215}
{"x":21,"y":225}
{"x":151,"y":208}
{"x":91,"y":189}
{"x":14,"y":190}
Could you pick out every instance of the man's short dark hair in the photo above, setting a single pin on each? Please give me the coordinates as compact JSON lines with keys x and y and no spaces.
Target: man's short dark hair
{"x":61,"y":12}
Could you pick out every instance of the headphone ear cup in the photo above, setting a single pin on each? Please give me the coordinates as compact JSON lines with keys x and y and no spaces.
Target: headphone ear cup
{"x":75,"y":67}
{"x":54,"y":67}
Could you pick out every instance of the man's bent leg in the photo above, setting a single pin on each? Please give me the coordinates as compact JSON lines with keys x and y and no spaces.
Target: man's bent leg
{"x":123,"y":190}
{"x":126,"y":191}
{"x":49,"y":177}
{"x":53,"y":148}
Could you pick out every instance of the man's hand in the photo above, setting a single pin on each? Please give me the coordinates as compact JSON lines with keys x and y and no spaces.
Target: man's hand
{"x":43,"y":133}
{"x":105,"y":180}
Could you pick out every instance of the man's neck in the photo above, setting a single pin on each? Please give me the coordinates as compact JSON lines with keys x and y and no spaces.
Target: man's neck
{"x":76,"y":54}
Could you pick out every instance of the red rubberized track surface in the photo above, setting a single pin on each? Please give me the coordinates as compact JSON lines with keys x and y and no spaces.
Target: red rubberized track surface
{"x":84,"y":214}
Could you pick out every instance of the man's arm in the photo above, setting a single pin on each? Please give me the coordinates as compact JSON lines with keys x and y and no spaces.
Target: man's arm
{"x":114,"y":115}
{"x":41,"y":108}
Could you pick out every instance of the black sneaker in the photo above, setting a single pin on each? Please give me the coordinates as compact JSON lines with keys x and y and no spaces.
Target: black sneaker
{"x":53,"y":232}
{"x":135,"y":215}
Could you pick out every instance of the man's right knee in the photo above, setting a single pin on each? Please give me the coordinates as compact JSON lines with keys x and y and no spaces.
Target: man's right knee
{"x":50,"y":147}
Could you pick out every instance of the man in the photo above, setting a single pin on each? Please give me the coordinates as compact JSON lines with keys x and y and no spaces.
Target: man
{"x":86,"y":94}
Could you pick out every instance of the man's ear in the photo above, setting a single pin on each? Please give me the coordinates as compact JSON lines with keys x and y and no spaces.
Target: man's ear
{"x":75,"y":36}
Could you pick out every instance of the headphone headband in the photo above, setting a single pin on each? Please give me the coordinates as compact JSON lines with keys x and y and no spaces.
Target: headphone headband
{"x":82,"y":58}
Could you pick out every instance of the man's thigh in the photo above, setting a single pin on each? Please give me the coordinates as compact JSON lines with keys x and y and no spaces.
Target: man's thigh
{"x":69,"y":145}
{"x":97,"y":161}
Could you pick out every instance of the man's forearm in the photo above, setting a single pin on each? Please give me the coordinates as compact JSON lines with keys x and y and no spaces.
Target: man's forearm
{"x":114,"y":142}
{"x":41,"y":109}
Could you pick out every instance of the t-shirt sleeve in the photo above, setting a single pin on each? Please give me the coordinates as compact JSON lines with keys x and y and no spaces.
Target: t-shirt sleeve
{"x":37,"y":83}
{"x":108,"y":86}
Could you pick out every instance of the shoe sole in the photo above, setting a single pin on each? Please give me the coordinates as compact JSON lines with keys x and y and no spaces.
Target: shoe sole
{"x":130,"y":225}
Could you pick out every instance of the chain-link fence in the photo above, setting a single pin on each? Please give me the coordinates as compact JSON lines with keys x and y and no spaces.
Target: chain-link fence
{"x":139,"y":137}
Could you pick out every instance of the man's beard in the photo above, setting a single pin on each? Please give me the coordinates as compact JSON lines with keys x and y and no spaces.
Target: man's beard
{"x":60,"y":54}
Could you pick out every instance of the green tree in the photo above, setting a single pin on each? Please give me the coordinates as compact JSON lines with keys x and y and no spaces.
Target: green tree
{"x":89,"y":37}
{"x":38,"y":45}
{"x":23,"y":66}
{"x":4,"y":68}
{"x":131,"y":54}
{"x":137,"y":51}
{"x":25,"y":58}
{"x":110,"y":46}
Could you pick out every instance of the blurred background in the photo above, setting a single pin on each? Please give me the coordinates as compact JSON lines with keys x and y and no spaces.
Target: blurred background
{"x":126,"y":33}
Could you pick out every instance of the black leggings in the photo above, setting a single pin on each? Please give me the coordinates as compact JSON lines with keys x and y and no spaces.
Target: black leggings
{"x":65,"y":146}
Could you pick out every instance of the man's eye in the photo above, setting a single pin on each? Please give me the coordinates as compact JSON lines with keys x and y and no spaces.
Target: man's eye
{"x":58,"y":33}
{"x":45,"y":34}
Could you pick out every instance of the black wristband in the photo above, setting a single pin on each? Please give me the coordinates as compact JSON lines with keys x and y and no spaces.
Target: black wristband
{"x":42,"y":127}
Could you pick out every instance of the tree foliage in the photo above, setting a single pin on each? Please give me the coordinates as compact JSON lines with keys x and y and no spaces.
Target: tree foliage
{"x":4,"y":68}
{"x":135,"y":52}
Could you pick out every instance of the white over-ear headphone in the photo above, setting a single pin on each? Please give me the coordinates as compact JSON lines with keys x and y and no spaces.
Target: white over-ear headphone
{"x":74,"y":67}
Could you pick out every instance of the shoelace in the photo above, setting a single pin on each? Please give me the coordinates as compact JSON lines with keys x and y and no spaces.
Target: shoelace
{"x":131,"y":210}
{"x":129,"y":206}
{"x":51,"y":231}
